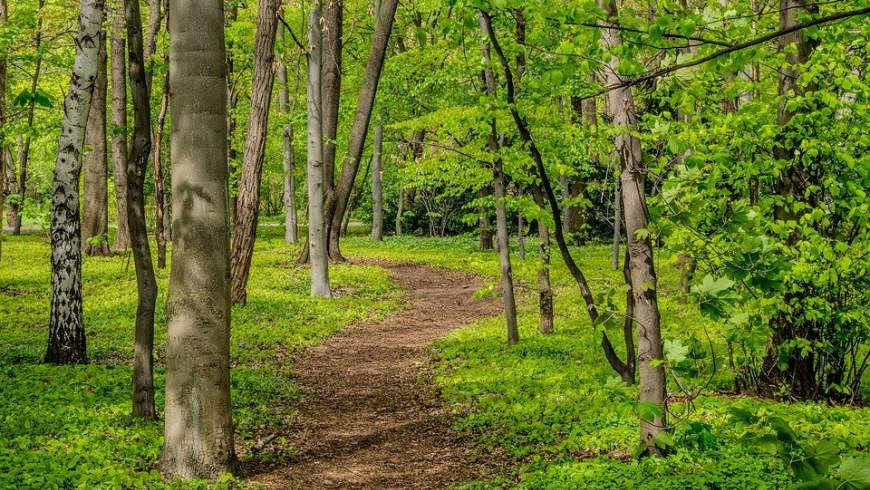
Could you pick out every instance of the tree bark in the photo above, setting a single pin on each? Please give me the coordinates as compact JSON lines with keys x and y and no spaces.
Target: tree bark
{"x":198,"y":438}
{"x":119,"y":124}
{"x":4,"y":155}
{"x":545,"y":290}
{"x":291,"y":229}
{"x":140,"y":146}
{"x":617,"y":225}
{"x":66,"y":330}
{"x":331,"y":86}
{"x":377,"y":187}
{"x":95,"y":219}
{"x":337,"y":201}
{"x":501,"y":233}
{"x":247,"y":206}
{"x":317,"y":238}
{"x":400,"y":211}
{"x":484,"y":224}
{"x":641,"y":263}
{"x":159,"y":178}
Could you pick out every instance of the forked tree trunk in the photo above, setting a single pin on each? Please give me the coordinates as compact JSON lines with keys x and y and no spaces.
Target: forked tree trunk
{"x":137,"y":164}
{"x":501,"y":223}
{"x":119,"y":124}
{"x":640,"y":252}
{"x":66,"y":330}
{"x":198,"y":437}
{"x":289,"y":158}
{"x":337,"y":201}
{"x":377,"y":187}
{"x":317,"y":241}
{"x":95,"y":219}
{"x":545,"y":290}
{"x":247,"y":206}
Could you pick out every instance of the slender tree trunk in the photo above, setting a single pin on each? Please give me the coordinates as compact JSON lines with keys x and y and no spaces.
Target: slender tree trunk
{"x":484,"y":224}
{"x":336,"y":205}
{"x":289,"y":158}
{"x":317,"y":241}
{"x":400,"y":211}
{"x":198,"y":439}
{"x":617,"y":225}
{"x":24,"y":150}
{"x":641,"y":263}
{"x":159,"y":179}
{"x":66,"y":330}
{"x":521,"y":235}
{"x":545,"y":290}
{"x":95,"y":216}
{"x":501,"y":231}
{"x":377,"y":187}
{"x":4,"y":155}
{"x":140,"y":146}
{"x":119,"y":124}
{"x":155,"y":16}
{"x":247,"y":206}
{"x":331,"y":87}
{"x":232,"y":101}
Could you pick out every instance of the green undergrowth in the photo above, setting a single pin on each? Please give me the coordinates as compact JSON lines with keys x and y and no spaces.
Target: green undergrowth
{"x":69,"y":426}
{"x":555,"y":408}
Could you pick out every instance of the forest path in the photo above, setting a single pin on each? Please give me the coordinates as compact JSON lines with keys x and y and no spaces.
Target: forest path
{"x":369,"y":417}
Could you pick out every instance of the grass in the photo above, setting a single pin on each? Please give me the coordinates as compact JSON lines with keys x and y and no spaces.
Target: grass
{"x":555,"y":408}
{"x":69,"y":426}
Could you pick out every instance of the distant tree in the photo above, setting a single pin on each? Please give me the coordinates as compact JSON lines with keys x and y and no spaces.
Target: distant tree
{"x":95,"y":222}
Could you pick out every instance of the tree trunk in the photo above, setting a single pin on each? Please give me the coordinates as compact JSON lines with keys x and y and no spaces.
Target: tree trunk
{"x":95,"y":218}
{"x":377,"y":187}
{"x":617,"y":225}
{"x":66,"y":330}
{"x":521,"y":235}
{"x":119,"y":124}
{"x":159,"y":179}
{"x":330,"y":73}
{"x":336,"y":205}
{"x":501,"y":223}
{"x":150,"y":43}
{"x":247,"y":205}
{"x":641,"y":264}
{"x":484,"y":224}
{"x":545,"y":291}
{"x":137,"y":164}
{"x":289,"y":158}
{"x":4,"y":162}
{"x":317,"y":240}
{"x":400,"y":211}
{"x":232,"y":100}
{"x":198,"y":439}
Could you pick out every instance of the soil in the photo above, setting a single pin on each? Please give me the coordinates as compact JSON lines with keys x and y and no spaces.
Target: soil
{"x":369,"y":415}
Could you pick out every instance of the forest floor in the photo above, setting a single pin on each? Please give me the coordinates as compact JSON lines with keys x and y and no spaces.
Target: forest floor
{"x":369,"y":416}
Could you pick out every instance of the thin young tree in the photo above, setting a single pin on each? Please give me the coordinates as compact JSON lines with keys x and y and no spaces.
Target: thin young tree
{"x":95,"y":186}
{"x":317,"y":240}
{"x":66,"y":329}
{"x":137,"y":164}
{"x":198,"y":437}
{"x":4,"y":15}
{"x":119,"y":124}
{"x":291,"y":228}
{"x":247,"y":206}
{"x":378,"y":187}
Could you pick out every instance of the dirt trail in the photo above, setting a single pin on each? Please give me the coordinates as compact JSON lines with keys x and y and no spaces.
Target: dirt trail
{"x":367,"y":417}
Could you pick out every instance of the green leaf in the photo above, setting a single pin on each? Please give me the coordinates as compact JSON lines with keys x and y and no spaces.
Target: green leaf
{"x":675,"y":351}
{"x":855,"y":472}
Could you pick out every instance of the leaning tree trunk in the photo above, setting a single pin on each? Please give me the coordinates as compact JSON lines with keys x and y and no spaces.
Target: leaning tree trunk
{"x":501,"y":223}
{"x":119,"y":124}
{"x":337,"y":203}
{"x":377,"y":187}
{"x":640,"y":252}
{"x":291,"y":228}
{"x":140,"y":146}
{"x":95,"y":219}
{"x":317,"y":241}
{"x":66,"y":329}
{"x":247,"y":205}
{"x":198,"y":438}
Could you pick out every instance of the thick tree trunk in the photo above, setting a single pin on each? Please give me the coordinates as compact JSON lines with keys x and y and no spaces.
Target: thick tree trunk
{"x":159,"y":178}
{"x":640,"y":252}
{"x":140,"y":146}
{"x":336,"y":205}
{"x":119,"y":124}
{"x":501,"y":221}
{"x":317,"y":239}
{"x":247,"y":206}
{"x":545,"y":290}
{"x":289,"y":158}
{"x":377,"y":187}
{"x":95,"y":216}
{"x":66,"y":330}
{"x":330,"y":73}
{"x":198,"y":438}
